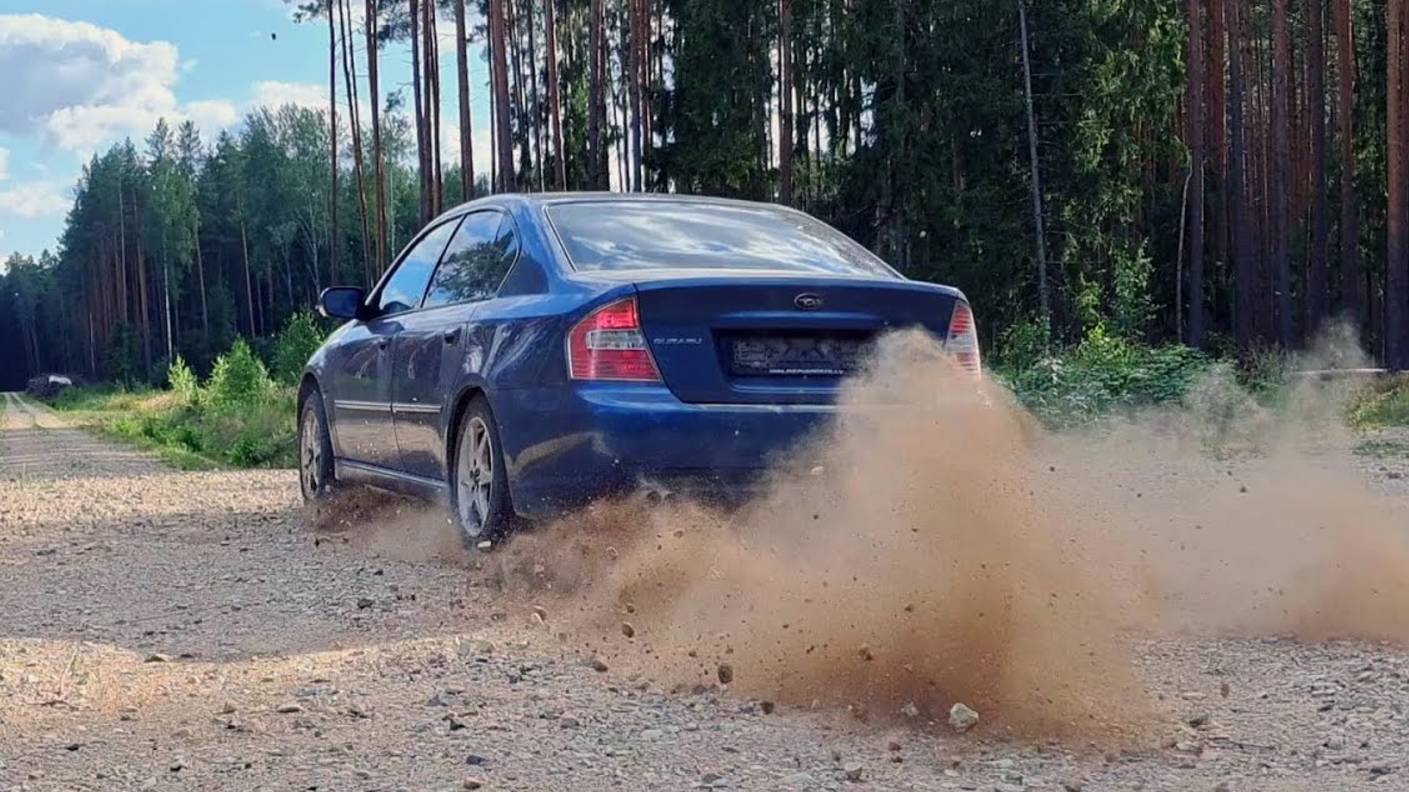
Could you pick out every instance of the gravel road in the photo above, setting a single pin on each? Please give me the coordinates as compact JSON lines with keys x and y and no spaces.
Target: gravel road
{"x":171,"y":630}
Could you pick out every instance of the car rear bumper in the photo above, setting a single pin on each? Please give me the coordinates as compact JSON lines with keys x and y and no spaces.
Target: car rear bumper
{"x":566,"y":447}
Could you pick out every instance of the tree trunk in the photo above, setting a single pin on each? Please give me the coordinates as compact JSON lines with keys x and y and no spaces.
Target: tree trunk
{"x":517,"y":94}
{"x":332,"y":156}
{"x":555,"y":115}
{"x":355,"y":122}
{"x":1316,"y":290}
{"x":500,"y":67}
{"x":596,"y":103}
{"x":142,"y":273}
{"x":422,"y":161}
{"x":633,"y":82}
{"x":785,"y":102}
{"x":645,"y":58}
{"x":1044,"y":303}
{"x":1215,"y":125}
{"x":462,"y":74}
{"x":1244,"y":280}
{"x":166,"y":300}
{"x":1397,"y":256}
{"x":374,"y":95}
{"x":431,"y":51}
{"x":200,"y":275}
{"x":249,"y":287}
{"x":1352,"y":303}
{"x":535,"y":106}
{"x":1195,"y":117}
{"x":1280,"y":165}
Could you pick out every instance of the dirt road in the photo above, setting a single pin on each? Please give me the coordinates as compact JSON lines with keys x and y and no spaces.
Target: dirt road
{"x":169,"y":630}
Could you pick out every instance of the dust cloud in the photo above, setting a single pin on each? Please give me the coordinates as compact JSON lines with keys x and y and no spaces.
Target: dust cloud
{"x":935,"y":545}
{"x":917,"y":554}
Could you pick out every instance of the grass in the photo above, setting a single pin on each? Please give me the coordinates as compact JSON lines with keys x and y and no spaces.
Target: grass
{"x":1383,"y":404}
{"x":191,"y":434}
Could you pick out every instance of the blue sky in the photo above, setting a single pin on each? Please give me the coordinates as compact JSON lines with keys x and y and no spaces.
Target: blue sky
{"x":79,"y":75}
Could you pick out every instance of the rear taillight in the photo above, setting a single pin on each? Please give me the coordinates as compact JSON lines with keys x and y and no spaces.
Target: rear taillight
{"x":962,"y":343}
{"x":608,"y":345}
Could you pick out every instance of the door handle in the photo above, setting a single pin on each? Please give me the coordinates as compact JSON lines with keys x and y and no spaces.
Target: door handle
{"x":382,"y":342}
{"x":451,"y":336}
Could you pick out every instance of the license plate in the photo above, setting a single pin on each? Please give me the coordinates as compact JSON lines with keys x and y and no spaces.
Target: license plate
{"x":798,"y":356}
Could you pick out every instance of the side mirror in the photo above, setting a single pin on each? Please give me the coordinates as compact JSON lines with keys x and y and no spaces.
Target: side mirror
{"x":341,"y":302}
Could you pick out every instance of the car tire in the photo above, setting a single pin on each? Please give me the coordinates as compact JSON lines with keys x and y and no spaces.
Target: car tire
{"x":316,"y":476}
{"x":479,"y":482}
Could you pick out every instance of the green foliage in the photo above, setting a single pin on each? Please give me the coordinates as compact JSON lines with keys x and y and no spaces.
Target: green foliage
{"x":196,"y":434}
{"x":239,"y":378}
{"x":1023,"y":344}
{"x":123,"y":362}
{"x":182,"y":380}
{"x":1103,"y":374}
{"x":296,"y":343}
{"x":1386,"y":403}
{"x":89,"y":397}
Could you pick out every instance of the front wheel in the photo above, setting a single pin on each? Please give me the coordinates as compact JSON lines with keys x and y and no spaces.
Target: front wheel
{"x":479,"y":484}
{"x":315,"y":451}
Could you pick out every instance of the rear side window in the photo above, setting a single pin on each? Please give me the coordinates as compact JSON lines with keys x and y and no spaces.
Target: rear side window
{"x":627,"y":235}
{"x":474,"y":264}
{"x":408,"y":283}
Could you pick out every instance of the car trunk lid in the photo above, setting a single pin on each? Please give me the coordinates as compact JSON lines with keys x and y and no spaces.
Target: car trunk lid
{"x":777,"y":340}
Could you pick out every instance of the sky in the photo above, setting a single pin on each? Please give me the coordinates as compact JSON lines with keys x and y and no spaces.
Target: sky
{"x":77,"y":76}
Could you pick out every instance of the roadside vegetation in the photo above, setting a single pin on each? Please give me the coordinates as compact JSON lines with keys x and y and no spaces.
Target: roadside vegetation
{"x":241,"y":415}
{"x":1383,"y":405}
{"x":1103,"y":374}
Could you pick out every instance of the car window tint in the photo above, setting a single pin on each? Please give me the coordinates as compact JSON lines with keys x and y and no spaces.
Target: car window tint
{"x":476,"y":261}
{"x":403,"y":291}
{"x":656,"y":234}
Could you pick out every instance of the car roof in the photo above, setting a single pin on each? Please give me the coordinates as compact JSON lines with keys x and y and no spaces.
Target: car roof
{"x":525,"y":200}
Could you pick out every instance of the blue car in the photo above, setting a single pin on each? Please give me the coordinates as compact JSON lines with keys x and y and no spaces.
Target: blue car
{"x":527,"y":354}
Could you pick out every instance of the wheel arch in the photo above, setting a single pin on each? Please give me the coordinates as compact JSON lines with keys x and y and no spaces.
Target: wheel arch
{"x":306,"y":387}
{"x":459,"y":405}
{"x":310,"y":387}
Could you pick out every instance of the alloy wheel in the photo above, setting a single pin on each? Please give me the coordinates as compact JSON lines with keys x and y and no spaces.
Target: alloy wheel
{"x":311,"y":454}
{"x":474,"y":480}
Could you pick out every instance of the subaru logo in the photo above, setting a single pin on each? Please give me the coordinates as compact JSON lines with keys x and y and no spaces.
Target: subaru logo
{"x":807,"y":302}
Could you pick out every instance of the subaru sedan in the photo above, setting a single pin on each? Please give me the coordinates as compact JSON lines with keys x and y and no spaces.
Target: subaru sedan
{"x":526,"y":354}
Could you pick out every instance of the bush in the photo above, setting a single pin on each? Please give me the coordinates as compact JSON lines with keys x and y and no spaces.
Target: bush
{"x":1102,"y":374}
{"x":296,"y":343}
{"x":183,"y":381}
{"x":1386,"y":403}
{"x":239,"y":378}
{"x":1023,"y":344}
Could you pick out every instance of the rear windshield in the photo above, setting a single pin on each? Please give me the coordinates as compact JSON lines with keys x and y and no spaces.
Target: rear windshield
{"x":629,"y":235}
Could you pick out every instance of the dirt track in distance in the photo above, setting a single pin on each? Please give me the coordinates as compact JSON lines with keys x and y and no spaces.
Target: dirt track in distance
{"x":170,"y":630}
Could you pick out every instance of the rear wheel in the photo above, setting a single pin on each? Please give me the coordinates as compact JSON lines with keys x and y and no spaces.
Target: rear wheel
{"x":479,"y":484}
{"x":315,"y":451}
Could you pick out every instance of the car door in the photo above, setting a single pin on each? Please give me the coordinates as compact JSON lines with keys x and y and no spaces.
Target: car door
{"x":430,"y":348}
{"x":362,"y":390}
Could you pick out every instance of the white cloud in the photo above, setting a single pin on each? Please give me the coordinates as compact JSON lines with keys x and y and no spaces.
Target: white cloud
{"x":450,"y":145}
{"x":212,"y":114}
{"x":4,"y":163}
{"x":36,"y":199}
{"x":80,"y":85}
{"x":273,"y":93}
